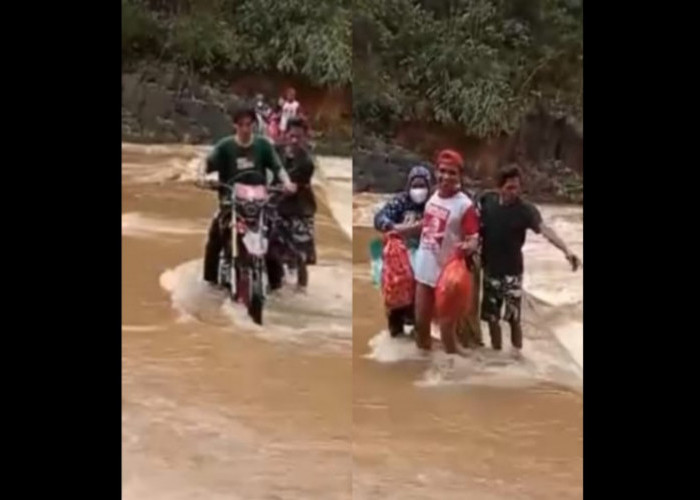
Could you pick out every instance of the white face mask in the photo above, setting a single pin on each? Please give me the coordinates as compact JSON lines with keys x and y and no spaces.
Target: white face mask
{"x":418,"y":195}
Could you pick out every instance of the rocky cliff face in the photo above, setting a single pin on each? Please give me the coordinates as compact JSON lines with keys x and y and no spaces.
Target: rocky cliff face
{"x":164,"y":105}
{"x":549,"y":151}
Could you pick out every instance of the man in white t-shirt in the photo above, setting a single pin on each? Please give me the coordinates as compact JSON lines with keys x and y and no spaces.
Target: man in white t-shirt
{"x":450,"y":221}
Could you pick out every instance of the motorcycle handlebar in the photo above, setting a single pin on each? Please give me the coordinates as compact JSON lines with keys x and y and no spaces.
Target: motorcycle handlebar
{"x":215,"y":185}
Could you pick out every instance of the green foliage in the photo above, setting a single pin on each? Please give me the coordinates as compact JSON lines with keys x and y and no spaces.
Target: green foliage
{"x":304,"y":38}
{"x":478,"y":63}
{"x":309,"y":38}
{"x":199,"y":41}
{"x":141,"y":33}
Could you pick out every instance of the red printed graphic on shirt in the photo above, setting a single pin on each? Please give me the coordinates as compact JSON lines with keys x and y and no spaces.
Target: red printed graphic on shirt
{"x":434,"y":226}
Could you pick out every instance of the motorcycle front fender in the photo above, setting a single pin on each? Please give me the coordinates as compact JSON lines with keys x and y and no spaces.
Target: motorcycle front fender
{"x":255,"y":243}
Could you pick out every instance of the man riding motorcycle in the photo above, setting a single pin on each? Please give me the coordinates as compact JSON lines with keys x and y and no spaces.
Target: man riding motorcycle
{"x":231,"y":157}
{"x":295,"y":231}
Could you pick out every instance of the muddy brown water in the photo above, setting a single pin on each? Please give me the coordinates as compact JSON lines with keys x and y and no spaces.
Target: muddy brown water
{"x":308,"y":406}
{"x":211,"y":406}
{"x":480,"y":433}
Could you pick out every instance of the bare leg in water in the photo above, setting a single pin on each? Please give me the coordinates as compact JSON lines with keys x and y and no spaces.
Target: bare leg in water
{"x":425,"y":301}
{"x":302,"y":274}
{"x":516,"y":336}
{"x":275,"y":272}
{"x":496,"y":335}
{"x":449,"y":337}
{"x":425,"y":305}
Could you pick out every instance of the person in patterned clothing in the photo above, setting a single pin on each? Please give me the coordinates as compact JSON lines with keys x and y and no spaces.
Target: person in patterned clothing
{"x":505,"y":219}
{"x":403,"y":214}
{"x":296,"y":211}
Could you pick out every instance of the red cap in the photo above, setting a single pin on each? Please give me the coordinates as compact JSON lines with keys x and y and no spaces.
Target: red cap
{"x":450,"y":157}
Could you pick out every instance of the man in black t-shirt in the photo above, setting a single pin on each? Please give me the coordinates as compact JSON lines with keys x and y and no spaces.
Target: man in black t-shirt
{"x":505,"y":219}
{"x":296,"y":211}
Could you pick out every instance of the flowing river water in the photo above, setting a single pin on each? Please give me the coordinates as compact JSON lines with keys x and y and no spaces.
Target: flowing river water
{"x":214,"y":407}
{"x":320,"y":402}
{"x":485,"y":428}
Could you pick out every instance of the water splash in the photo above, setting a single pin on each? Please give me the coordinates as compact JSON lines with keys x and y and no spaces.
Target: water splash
{"x":136,"y":224}
{"x":542,"y":360}
{"x":552,"y":305}
{"x":321,"y":317}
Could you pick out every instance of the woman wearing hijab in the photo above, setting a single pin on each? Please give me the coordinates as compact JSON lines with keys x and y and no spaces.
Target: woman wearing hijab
{"x":403,"y":215}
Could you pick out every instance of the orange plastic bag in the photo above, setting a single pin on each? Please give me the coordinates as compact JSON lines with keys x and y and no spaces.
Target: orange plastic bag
{"x":398,"y":285}
{"x":453,"y":289}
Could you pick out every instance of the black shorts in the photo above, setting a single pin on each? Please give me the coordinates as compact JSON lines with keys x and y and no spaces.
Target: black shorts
{"x":497,"y":291}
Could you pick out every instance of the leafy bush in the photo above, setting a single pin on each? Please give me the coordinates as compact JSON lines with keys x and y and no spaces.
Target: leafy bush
{"x":305,"y":38}
{"x":481,"y":64}
{"x":141,"y":32}
{"x":478,"y":63}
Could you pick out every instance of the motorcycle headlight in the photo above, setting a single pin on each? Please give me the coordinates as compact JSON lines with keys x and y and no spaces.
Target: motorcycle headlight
{"x":247,"y":209}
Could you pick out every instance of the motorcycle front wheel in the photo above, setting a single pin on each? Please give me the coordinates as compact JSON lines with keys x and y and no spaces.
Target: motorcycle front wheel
{"x":250,"y":288}
{"x":257,"y":297}
{"x":255,"y":309}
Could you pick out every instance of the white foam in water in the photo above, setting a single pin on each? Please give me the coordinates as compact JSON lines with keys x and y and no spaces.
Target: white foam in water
{"x":571,"y":337}
{"x":173,"y":169}
{"x":321,"y":317}
{"x":335,"y":178}
{"x":386,"y":349}
{"x":552,"y":311}
{"x":182,"y":163}
{"x":365,"y":206}
{"x":141,"y":328}
{"x":190,"y":295}
{"x":549,"y":279}
{"x":138,"y":225}
{"x":543,"y":360}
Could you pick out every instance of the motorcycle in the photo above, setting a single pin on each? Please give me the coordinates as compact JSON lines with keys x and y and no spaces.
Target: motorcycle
{"x":245,"y":223}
